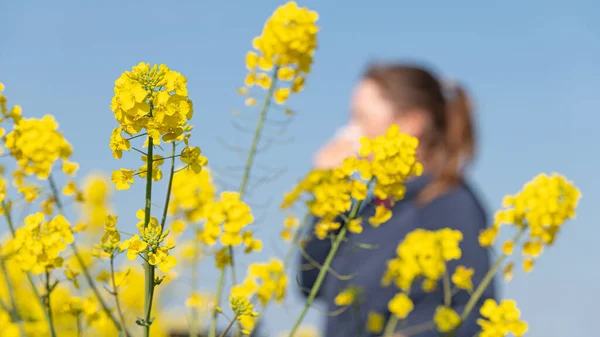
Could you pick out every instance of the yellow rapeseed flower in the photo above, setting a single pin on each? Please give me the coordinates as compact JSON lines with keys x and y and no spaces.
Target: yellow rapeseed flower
{"x":284,"y":51}
{"x":347,"y":296}
{"x":423,"y":253}
{"x":134,"y":246}
{"x":226,"y":219}
{"x":38,"y":244}
{"x":355,"y":226}
{"x":96,"y":193}
{"x":446,"y":319}
{"x":382,"y":214}
{"x":267,"y":280}
{"x":7,"y":327}
{"x":400,"y":305}
{"x":154,"y":99}
{"x":389,"y":160}
{"x":36,"y":144}
{"x":500,"y":320}
{"x":122,"y":178}
{"x":192,"y":194}
{"x":375,"y":322}
{"x":462,"y":277}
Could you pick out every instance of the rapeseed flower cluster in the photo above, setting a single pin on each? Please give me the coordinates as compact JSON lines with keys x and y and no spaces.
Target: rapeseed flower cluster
{"x":96,"y":195}
{"x":347,"y":296}
{"x":37,"y":245}
{"x":265,"y":281}
{"x":14,"y":114}
{"x":244,"y":312}
{"x":153,"y":99}
{"x":330,"y":194}
{"x":446,"y":319}
{"x":110,"y":241}
{"x":271,"y":280}
{"x":36,"y":144}
{"x":540,"y":208}
{"x":501,"y":319}
{"x":393,"y":161}
{"x":283,"y":53}
{"x":423,"y":253}
{"x":400,"y":305}
{"x":192,"y":195}
{"x":227,"y":218}
{"x":387,"y":160}
{"x":290,"y":224}
{"x":149,"y":240}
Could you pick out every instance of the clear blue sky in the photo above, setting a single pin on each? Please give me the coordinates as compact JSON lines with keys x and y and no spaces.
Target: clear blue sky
{"x":533,"y":68}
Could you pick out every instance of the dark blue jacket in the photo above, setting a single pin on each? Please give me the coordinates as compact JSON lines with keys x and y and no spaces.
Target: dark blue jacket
{"x":458,"y":209}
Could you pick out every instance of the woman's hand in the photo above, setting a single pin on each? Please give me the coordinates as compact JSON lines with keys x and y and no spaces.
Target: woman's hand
{"x":344,"y":144}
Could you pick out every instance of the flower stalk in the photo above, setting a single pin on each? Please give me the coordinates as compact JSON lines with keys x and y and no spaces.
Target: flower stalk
{"x":391,"y":326}
{"x":115,"y":292}
{"x":325,"y":267}
{"x":149,"y":269}
{"x":243,"y":188}
{"x":48,"y":306}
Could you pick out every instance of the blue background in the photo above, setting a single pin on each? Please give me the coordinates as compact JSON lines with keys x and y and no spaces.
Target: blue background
{"x":532,"y":67}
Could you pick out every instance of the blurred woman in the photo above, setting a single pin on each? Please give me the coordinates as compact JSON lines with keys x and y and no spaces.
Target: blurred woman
{"x":441,"y":118}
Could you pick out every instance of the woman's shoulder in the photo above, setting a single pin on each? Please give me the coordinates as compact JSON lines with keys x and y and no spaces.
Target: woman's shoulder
{"x":461,"y":201}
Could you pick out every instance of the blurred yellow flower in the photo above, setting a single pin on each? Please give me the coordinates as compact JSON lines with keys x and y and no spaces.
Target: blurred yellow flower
{"x":401,"y":305}
{"x":446,"y":319}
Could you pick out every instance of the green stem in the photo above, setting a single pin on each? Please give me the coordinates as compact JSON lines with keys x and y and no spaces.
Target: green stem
{"x":417,"y":329}
{"x":149,"y":269}
{"x":213,"y":322}
{"x":8,"y":218}
{"x":36,"y":292}
{"x":288,"y":257}
{"x":257,"y":133}
{"x":115,"y":292}
{"x":86,"y":272}
{"x":14,"y":310}
{"x":224,"y":333}
{"x":325,"y":268}
{"x":487,"y":279}
{"x":137,"y":136}
{"x":169,"y":187}
{"x":11,"y":292}
{"x":447,"y":289}
{"x":246,"y":179}
{"x":391,"y":325}
{"x":90,"y":281}
{"x":48,"y":306}
{"x":172,"y":156}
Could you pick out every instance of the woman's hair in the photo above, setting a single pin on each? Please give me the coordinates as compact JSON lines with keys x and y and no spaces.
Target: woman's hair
{"x":450,"y":139}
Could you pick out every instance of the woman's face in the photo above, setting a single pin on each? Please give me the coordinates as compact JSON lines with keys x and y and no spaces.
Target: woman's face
{"x":375,"y":114}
